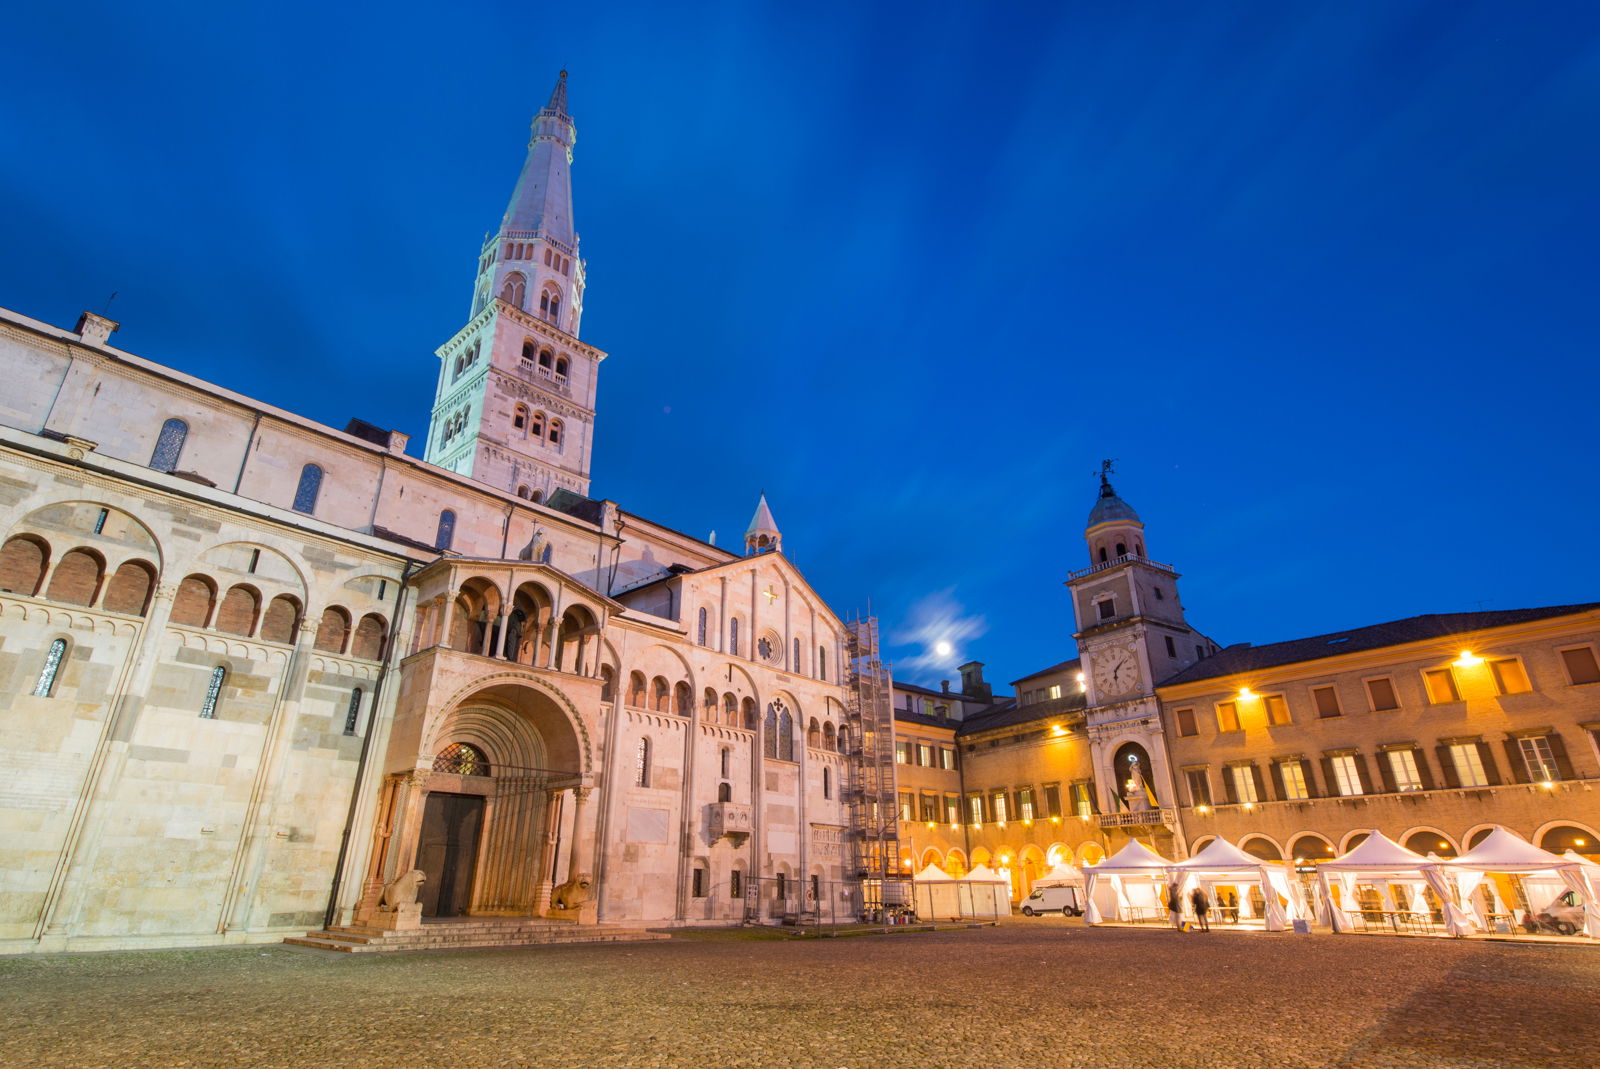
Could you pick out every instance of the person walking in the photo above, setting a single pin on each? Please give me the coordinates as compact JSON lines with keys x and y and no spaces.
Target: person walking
{"x":1175,"y":905}
{"x":1202,"y":906}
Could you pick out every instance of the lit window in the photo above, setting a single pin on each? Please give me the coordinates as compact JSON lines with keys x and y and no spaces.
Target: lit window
{"x":902,"y":753}
{"x":1468,"y":764}
{"x":1199,"y":786}
{"x":1277,"y":709}
{"x":947,"y":757}
{"x":1293,"y":774}
{"x":208,"y":708}
{"x":1025,"y":803}
{"x":1244,"y":783}
{"x":52,"y":665}
{"x":305,"y":495}
{"x":924,"y":755}
{"x":1509,"y":676}
{"x":905,"y":805}
{"x":169,"y":445}
{"x":1346,"y":776}
{"x":1539,"y":758}
{"x":1082,"y":800}
{"x":1403,"y":767}
{"x":997,"y":804}
{"x":1441,"y":685}
{"x":1227,"y":716}
{"x":975,"y":809}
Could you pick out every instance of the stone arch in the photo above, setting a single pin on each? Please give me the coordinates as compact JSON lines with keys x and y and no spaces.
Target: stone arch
{"x":1313,"y":847}
{"x":266,"y":568}
{"x":1030,"y":866}
{"x":1352,"y":840}
{"x":61,"y":525}
{"x":955,"y":863}
{"x":980,"y":856}
{"x":1567,"y":834}
{"x":930,"y":856}
{"x":1431,"y":839}
{"x":1090,"y":853}
{"x":1200,"y":843}
{"x":542,"y":704}
{"x":1263,"y":846}
{"x":1057,"y":853}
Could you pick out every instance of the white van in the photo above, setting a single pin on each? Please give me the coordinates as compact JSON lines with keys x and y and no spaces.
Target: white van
{"x":1051,"y":899}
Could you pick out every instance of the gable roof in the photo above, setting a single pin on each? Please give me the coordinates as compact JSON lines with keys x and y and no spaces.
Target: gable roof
{"x":1064,"y":666}
{"x":1247,"y":658}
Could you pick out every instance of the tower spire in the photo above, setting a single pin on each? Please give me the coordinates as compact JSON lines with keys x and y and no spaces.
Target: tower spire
{"x":558,"y":96}
{"x":763,"y":535}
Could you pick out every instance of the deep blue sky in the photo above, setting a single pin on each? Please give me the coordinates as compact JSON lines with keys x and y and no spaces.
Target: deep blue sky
{"x":1321,"y":276}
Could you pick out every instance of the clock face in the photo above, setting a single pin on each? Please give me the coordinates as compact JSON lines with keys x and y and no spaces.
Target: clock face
{"x":1116,"y":671}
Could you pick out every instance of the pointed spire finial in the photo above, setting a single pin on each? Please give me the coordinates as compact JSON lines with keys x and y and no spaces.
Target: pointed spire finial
{"x":558,"y":96}
{"x":1106,"y":471}
{"x":763,"y":535}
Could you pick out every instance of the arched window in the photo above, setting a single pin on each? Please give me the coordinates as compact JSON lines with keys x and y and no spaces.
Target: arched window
{"x":796,"y":666}
{"x":769,"y":734}
{"x":608,"y":683}
{"x":463,"y":759}
{"x":726,"y":760}
{"x":547,"y":256}
{"x":704,"y":622}
{"x":1102,"y":554}
{"x":641,"y":764}
{"x":545,"y":358}
{"x":447,"y":530}
{"x":536,"y":498}
{"x":658,"y":694}
{"x":281,"y":619}
{"x":555,"y":432}
{"x":536,"y":429}
{"x":828,"y":737}
{"x":785,"y":735}
{"x":371,"y":633}
{"x":169,"y":445}
{"x":682,"y":700}
{"x":528,"y":351}
{"x":523,"y":491}
{"x":708,"y":705}
{"x":519,"y":419}
{"x":208,"y":708}
{"x":636,"y":690}
{"x":814,"y":734}
{"x":333,"y":630}
{"x":1122,"y":550}
{"x":724,"y":792}
{"x":561,"y":368}
{"x":733,"y":636}
{"x":752,"y":715}
{"x":730,"y":710}
{"x":194,"y":601}
{"x":515,"y":291}
{"x":827,"y":783}
{"x":52,"y":664}
{"x":822,"y":662}
{"x":22,"y":565}
{"x":305,"y":495}
{"x":353,"y":713}
{"x":555,"y":309}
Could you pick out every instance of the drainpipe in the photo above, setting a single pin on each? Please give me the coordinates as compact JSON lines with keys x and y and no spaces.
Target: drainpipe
{"x":366,"y":742}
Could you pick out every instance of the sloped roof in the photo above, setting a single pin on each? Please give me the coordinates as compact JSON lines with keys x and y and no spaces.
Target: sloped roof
{"x":1247,"y":658}
{"x":1065,"y":666}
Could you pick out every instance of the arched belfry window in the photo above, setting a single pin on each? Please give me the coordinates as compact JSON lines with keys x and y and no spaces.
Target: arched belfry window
{"x":463,"y":759}
{"x":447,"y":530}
{"x":545,"y":357}
{"x":52,"y":665}
{"x":519,"y":419}
{"x":169,"y":445}
{"x":208,"y":708}
{"x":515,"y":291}
{"x":305,"y":495}
{"x":555,"y":432}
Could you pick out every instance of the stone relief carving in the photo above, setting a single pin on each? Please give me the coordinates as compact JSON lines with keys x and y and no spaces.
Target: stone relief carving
{"x":401,"y":891}
{"x":574,"y":893}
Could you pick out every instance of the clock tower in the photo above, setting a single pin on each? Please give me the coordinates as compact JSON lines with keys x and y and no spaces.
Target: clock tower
{"x":1131,"y":635}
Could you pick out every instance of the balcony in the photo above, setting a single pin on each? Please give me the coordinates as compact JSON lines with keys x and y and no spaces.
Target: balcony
{"x":732,"y":819}
{"x":1124,"y":559}
{"x":1145,"y":818}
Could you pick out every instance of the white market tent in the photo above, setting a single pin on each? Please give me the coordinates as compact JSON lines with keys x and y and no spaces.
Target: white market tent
{"x":1222,"y":862}
{"x":935,"y":895}
{"x":1382,"y":861}
{"x":1132,"y":878}
{"x":987,"y":894}
{"x":1065,"y":875}
{"x":1505,"y":852}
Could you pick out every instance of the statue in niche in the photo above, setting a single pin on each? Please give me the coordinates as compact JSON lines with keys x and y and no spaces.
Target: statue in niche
{"x":1135,"y":795}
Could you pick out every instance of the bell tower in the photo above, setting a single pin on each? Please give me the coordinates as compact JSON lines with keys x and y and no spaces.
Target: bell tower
{"x":515,"y":402}
{"x":1131,"y":635}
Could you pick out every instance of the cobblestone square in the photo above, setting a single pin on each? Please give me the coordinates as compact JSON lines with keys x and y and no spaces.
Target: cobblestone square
{"x":1028,"y":993}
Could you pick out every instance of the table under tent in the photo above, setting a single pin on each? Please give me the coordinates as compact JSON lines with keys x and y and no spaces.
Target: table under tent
{"x":1394,"y":879}
{"x":1223,"y":866}
{"x":1130,"y":885}
{"x":1539,"y":878}
{"x":982,"y":893}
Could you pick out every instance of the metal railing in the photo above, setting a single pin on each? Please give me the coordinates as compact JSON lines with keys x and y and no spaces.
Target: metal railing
{"x":1114,"y":561}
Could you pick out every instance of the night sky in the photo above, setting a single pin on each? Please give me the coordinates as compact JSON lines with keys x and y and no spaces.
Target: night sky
{"x":1321,"y":277}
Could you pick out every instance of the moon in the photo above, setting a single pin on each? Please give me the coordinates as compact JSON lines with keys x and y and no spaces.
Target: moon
{"x":943,"y":649}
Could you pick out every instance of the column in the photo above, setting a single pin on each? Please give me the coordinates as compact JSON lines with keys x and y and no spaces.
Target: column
{"x":547,"y":852}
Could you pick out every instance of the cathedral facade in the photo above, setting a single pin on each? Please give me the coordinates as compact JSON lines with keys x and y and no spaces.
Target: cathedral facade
{"x":254,"y":669}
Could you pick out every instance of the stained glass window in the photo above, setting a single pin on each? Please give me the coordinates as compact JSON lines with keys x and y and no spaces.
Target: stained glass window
{"x":169,"y":445}
{"x":305,"y":495}
{"x":447,"y":529}
{"x":52,"y":665}
{"x":208,"y":710}
{"x":353,"y":712}
{"x":463,"y":759}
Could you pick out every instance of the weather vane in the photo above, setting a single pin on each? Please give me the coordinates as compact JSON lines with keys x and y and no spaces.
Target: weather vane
{"x":1106,"y":468}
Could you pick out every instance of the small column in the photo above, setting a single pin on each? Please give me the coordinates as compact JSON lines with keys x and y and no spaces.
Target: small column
{"x":583,"y":846}
{"x":547,"y":852}
{"x":446,"y":621}
{"x":500,"y":646}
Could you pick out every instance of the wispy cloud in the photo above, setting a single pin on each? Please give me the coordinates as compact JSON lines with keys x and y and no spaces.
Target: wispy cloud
{"x":936,"y":628}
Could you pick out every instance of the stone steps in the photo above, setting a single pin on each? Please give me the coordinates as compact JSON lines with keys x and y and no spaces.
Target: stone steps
{"x":496,"y":932}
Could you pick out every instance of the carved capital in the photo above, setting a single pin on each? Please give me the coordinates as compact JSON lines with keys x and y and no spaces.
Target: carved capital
{"x":166,"y":591}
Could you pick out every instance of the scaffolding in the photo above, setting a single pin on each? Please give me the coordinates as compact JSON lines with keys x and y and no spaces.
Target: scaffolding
{"x":869,"y":795}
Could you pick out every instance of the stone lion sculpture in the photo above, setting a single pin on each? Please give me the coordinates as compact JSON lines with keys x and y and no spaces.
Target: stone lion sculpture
{"x":573,"y":893}
{"x":402,"y":890}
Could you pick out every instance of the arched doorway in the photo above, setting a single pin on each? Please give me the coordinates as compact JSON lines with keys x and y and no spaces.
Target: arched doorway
{"x":1563,"y":837}
{"x":493,"y":808}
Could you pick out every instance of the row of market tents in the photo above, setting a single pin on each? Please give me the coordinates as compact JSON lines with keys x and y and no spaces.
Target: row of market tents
{"x":1136,"y":880}
{"x":1135,"y":883}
